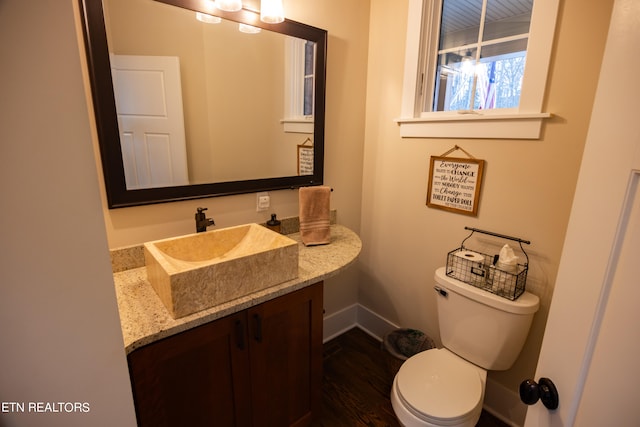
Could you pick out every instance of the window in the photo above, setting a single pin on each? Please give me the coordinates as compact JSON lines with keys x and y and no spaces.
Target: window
{"x":496,"y":82}
{"x":476,"y":68}
{"x":300,"y":56}
{"x":482,"y":49}
{"x":309,"y":78}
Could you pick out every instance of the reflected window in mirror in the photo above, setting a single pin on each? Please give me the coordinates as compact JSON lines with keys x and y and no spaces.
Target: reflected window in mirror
{"x":300,"y":62}
{"x":309,"y":76}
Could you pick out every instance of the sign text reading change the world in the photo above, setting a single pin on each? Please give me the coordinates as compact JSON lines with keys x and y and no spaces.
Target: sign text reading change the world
{"x":454,"y":184}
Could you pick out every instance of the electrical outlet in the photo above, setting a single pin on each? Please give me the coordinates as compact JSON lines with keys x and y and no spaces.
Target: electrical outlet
{"x":263,"y":201}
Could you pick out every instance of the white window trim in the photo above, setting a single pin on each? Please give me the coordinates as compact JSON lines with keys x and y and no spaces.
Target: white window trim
{"x":524,"y":122}
{"x":298,"y":125}
{"x":294,"y":121}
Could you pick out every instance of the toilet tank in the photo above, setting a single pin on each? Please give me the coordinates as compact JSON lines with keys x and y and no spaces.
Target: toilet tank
{"x":485,"y":329}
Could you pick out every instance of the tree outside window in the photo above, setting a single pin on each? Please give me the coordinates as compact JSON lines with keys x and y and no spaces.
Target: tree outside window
{"x":481,"y":56}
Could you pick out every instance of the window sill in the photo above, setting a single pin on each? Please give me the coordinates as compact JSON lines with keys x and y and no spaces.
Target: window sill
{"x":297,"y":125}
{"x":473,"y":125}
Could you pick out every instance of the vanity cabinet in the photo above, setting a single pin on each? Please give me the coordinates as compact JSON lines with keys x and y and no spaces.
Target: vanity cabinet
{"x":258,"y":367}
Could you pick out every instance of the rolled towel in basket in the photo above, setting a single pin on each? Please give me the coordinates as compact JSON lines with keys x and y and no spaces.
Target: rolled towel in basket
{"x":314,"y":205}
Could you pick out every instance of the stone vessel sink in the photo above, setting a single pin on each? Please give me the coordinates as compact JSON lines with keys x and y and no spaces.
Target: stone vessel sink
{"x":197,"y":271}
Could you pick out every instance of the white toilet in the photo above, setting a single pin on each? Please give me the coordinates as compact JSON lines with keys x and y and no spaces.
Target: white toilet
{"x":480,"y":331}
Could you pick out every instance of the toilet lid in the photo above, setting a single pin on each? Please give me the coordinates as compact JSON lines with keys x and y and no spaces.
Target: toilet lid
{"x":437,"y":384}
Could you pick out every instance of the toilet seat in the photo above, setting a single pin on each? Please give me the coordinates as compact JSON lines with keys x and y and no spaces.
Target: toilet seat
{"x":439,"y":387}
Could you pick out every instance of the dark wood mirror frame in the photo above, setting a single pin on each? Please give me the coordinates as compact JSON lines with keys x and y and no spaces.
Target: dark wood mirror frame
{"x":107,"y":123}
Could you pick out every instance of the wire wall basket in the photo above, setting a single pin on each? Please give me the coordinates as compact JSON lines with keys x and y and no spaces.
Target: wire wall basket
{"x":480,"y":270}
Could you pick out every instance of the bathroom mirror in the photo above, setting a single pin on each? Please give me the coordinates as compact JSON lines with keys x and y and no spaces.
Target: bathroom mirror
{"x":252,"y":121}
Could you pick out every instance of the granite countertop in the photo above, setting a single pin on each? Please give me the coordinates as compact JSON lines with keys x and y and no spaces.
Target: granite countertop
{"x":144,"y":319}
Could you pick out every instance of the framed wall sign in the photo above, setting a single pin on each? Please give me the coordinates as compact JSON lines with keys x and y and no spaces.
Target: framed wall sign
{"x":305,"y":159}
{"x":454,"y":184}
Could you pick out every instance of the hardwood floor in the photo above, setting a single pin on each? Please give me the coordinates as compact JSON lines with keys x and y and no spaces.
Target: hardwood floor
{"x":357,"y":382}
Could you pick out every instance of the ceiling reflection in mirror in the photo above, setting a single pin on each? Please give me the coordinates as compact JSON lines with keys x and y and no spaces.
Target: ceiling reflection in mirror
{"x":206,"y":109}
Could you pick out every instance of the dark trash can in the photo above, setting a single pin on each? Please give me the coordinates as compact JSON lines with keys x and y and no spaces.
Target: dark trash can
{"x":401,"y":344}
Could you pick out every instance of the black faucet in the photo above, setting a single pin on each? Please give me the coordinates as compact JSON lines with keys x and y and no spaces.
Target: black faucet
{"x":202,"y":222}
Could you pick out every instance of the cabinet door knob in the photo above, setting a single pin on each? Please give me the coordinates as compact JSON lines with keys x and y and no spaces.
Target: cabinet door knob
{"x":258,"y":329}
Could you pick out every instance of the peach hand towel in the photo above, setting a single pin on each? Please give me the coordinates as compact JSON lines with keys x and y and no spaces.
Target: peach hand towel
{"x":314,"y":215}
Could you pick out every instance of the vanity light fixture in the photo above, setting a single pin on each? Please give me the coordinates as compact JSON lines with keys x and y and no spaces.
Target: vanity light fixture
{"x":248,"y":29}
{"x":208,"y":19}
{"x":229,"y":5}
{"x":271,"y":11}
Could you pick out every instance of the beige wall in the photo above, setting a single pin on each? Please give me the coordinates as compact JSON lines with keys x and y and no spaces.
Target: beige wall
{"x":527,"y":190}
{"x":59,"y":327}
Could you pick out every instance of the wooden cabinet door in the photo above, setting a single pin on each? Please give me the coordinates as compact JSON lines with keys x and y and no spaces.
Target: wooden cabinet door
{"x":285,"y":336}
{"x":199,"y":377}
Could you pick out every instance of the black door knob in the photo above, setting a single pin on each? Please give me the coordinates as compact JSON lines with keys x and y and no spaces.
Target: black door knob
{"x":544,"y":389}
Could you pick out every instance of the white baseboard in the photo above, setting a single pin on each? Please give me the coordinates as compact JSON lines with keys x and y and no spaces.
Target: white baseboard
{"x":499,"y":401}
{"x":373,"y":324}
{"x":504,"y":404}
{"x":356,"y":315}
{"x":339,"y":322}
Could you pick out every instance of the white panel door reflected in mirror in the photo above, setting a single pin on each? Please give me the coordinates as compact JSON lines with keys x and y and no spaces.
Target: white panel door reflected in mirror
{"x":148,"y":98}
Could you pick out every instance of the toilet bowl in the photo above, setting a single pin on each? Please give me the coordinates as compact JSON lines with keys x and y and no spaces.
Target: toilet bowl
{"x":437,"y":388}
{"x":480,"y":331}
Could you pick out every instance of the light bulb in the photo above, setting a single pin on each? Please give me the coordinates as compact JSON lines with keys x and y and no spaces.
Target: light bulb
{"x":248,"y":29}
{"x":271,"y":11}
{"x":209,"y":19}
{"x":229,"y":5}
